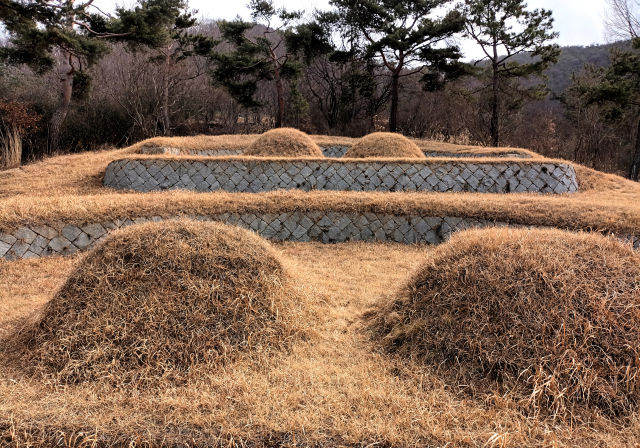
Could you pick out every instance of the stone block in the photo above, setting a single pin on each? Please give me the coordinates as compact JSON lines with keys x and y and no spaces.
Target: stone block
{"x":83,"y":241}
{"x":45,"y":231}
{"x":28,"y":254}
{"x":19,"y":248}
{"x":299,"y":232}
{"x":38,"y":245}
{"x":269,"y":232}
{"x":95,"y":231}
{"x":25,"y":235}
{"x":8,"y":239}
{"x":380,"y":235}
{"x":4,"y":248}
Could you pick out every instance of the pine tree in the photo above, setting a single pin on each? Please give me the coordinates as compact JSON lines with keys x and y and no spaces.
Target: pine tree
{"x":505,"y":29}
{"x":75,"y":34}
{"x":617,"y":89}
{"x":404,"y":37}
{"x":181,"y":46}
{"x":275,"y":56}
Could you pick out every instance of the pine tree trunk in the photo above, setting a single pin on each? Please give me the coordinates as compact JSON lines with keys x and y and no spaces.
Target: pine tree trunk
{"x":495,"y":105}
{"x":166,"y":120}
{"x":635,"y":164}
{"x":66,"y":89}
{"x":280,"y":116}
{"x":393,"y":118}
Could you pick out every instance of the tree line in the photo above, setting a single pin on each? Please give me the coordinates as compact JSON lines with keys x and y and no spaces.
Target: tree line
{"x":74,"y":77}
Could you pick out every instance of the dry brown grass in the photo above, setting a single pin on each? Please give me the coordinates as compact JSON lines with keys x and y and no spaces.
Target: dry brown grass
{"x":435,"y":146}
{"x":283,"y":142}
{"x":242,"y":141}
{"x":160,"y":303}
{"x":69,"y":189}
{"x":10,"y":147}
{"x":333,"y":390}
{"x":199,"y":142}
{"x":384,"y":145}
{"x":548,"y":318}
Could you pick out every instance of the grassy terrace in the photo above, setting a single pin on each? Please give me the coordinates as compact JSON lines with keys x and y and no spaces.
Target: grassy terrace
{"x":334,"y":387}
{"x":69,"y":189}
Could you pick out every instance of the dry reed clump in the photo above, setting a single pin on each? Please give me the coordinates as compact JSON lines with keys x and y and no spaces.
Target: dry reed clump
{"x":386,"y":145}
{"x":549,"y":318}
{"x":162,"y":302}
{"x":283,"y":142}
{"x":10,"y":147}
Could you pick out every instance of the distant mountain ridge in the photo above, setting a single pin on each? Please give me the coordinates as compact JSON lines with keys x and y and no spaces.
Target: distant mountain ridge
{"x":572,"y":60}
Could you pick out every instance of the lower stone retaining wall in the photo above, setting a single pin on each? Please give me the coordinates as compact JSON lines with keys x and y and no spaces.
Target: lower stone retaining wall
{"x":328,"y":151}
{"x":256,"y":176}
{"x":325,"y":227}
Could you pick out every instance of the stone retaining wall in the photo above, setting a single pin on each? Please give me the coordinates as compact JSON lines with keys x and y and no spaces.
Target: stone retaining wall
{"x":328,"y":151}
{"x":256,"y":176}
{"x":325,"y":227}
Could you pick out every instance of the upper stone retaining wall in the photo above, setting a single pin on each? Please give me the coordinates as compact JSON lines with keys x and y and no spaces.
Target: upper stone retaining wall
{"x":327,"y":151}
{"x":255,"y":176}
{"x":325,"y":227}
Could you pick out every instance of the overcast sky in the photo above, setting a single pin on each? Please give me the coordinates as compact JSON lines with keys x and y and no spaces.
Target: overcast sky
{"x":578,"y":21}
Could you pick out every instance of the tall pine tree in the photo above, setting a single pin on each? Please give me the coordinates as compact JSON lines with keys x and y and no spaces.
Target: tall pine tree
{"x":405,"y":37}
{"x":181,"y":46}
{"x":505,"y":29}
{"x":74,"y":34}
{"x":617,"y":89}
{"x":276,"y":55}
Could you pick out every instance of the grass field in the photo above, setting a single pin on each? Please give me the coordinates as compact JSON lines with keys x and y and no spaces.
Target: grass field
{"x":69,"y":189}
{"x":337,"y":389}
{"x":337,"y":386}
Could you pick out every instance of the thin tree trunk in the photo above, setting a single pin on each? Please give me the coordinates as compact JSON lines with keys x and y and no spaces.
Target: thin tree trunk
{"x":495,"y":106}
{"x":166,"y":119}
{"x":66,"y":89}
{"x":393,"y":118}
{"x":635,"y":164}
{"x":280,"y":116}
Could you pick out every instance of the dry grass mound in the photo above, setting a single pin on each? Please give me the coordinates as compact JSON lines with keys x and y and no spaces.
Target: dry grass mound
{"x":385,"y":145}
{"x":160,"y":302}
{"x":549,"y":318}
{"x":283,"y":142}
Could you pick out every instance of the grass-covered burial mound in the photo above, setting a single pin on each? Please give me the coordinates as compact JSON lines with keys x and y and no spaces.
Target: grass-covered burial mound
{"x":385,"y":145}
{"x":159,"y":302}
{"x":283,"y":142}
{"x":549,"y":318}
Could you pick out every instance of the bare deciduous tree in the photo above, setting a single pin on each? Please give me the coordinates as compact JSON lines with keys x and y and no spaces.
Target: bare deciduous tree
{"x":621,"y":20}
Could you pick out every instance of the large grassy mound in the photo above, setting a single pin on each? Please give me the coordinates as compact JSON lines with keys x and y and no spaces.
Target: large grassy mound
{"x":385,"y":144}
{"x":549,"y":317}
{"x":158,"y":302}
{"x":283,"y":142}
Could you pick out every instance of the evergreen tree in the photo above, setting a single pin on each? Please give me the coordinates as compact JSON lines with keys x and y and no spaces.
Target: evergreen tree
{"x":275,"y":56}
{"x":181,"y":46}
{"x":617,"y":90}
{"x":505,"y":29}
{"x":75,"y":34}
{"x":404,"y":37}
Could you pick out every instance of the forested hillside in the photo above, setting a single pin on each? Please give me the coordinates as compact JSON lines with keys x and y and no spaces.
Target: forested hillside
{"x":572,"y":60}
